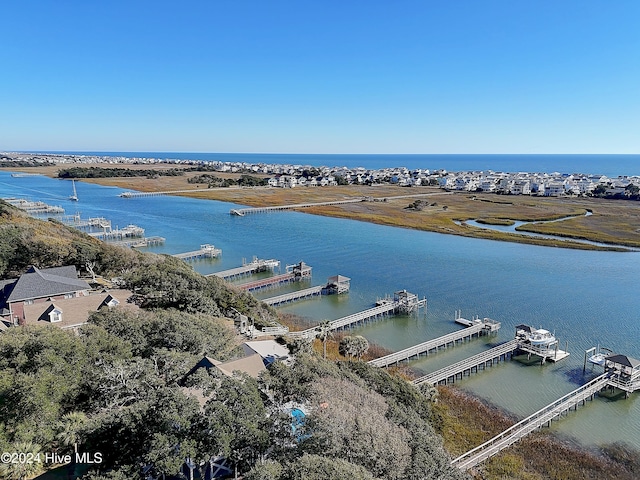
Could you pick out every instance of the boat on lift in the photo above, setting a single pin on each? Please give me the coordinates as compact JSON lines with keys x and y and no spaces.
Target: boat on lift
{"x":599,"y":356}
{"x":74,"y":195}
{"x":541,"y":338}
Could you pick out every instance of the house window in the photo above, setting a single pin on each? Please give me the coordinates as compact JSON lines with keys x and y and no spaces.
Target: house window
{"x":69,"y":295}
{"x":55,"y":316}
{"x":29,"y":302}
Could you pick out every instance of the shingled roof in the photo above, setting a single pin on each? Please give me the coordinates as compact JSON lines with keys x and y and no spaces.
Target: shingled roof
{"x":36,"y":283}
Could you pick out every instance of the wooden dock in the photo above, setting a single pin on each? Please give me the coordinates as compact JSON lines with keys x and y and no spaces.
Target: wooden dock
{"x":337,"y":284}
{"x":384,"y":308}
{"x":255,"y":266}
{"x":489,"y":357}
{"x":531,"y":423}
{"x":130,"y":231}
{"x":295,"y":273}
{"x":206,"y":251}
{"x":293,"y":296}
{"x":485,"y":326}
{"x":241,"y":212}
{"x":157,"y":194}
{"x":139,"y":242}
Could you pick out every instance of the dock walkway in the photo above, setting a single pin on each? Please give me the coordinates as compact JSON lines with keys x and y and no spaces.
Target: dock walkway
{"x":206,"y":251}
{"x":337,"y":284}
{"x":349,"y":320}
{"x":531,"y":423}
{"x":468,"y":364}
{"x":387,"y":307}
{"x":241,"y":212}
{"x":293,"y":296}
{"x":256,"y":265}
{"x":485,"y":326}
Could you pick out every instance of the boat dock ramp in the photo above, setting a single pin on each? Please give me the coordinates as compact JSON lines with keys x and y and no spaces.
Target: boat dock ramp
{"x":206,"y":250}
{"x":255,"y":266}
{"x":335,"y":285}
{"x":295,"y":273}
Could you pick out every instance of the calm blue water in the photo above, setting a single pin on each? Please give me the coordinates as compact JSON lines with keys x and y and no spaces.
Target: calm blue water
{"x":610,"y":165}
{"x":585,"y":297}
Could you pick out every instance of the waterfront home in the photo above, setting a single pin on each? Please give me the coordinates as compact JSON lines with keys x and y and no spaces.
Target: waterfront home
{"x":39,"y":286}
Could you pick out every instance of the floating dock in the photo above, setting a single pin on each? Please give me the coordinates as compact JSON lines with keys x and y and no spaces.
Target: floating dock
{"x":206,"y":251}
{"x":486,"y":326}
{"x":295,"y":273}
{"x":335,"y":285}
{"x":403,"y":302}
{"x":255,"y":266}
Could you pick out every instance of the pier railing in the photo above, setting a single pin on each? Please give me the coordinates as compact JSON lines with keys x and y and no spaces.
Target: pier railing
{"x":350,"y":319}
{"x":529,"y":424}
{"x":427,"y":346}
{"x":468,"y":363}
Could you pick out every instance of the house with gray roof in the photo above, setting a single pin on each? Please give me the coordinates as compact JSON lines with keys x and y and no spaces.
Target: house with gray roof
{"x":39,"y":285}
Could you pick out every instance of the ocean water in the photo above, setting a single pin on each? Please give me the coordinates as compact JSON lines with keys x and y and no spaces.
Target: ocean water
{"x":586,"y":298}
{"x":600,"y":164}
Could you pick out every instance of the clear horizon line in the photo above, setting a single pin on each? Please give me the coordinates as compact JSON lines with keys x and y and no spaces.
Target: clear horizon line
{"x":57,"y":152}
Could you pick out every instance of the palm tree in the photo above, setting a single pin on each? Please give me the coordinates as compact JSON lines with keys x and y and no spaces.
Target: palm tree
{"x":22,"y":470}
{"x":323,"y":332}
{"x":69,"y":433}
{"x":69,"y":429}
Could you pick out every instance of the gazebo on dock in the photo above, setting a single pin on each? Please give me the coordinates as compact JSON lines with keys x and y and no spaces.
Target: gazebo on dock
{"x":624,"y":372}
{"x":337,"y":284}
{"x":628,"y":368}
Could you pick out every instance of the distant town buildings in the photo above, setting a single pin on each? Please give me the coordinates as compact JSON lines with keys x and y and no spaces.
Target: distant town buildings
{"x":294,"y":176}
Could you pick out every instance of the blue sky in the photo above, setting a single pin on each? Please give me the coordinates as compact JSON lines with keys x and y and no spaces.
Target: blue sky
{"x":345,"y":76}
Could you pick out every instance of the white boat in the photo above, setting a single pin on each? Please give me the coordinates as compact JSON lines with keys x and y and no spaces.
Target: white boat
{"x":74,"y":196}
{"x":541,"y":338}
{"x":600,"y":355}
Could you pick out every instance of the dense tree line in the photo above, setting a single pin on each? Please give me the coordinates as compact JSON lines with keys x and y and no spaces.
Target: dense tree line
{"x":214,"y":181}
{"x":631,"y":192}
{"x":99,"y":172}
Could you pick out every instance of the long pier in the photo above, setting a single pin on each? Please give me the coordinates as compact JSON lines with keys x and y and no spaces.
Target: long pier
{"x":293,"y":296}
{"x":336,"y":284}
{"x":485,"y":326}
{"x":349,"y":320}
{"x":403,"y":302}
{"x":156,"y":194}
{"x":206,"y":251}
{"x":297,"y":272}
{"x":482,"y":359}
{"x":244,"y":211}
{"x":255,"y":266}
{"x":531,"y":423}
{"x":139,"y":242}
